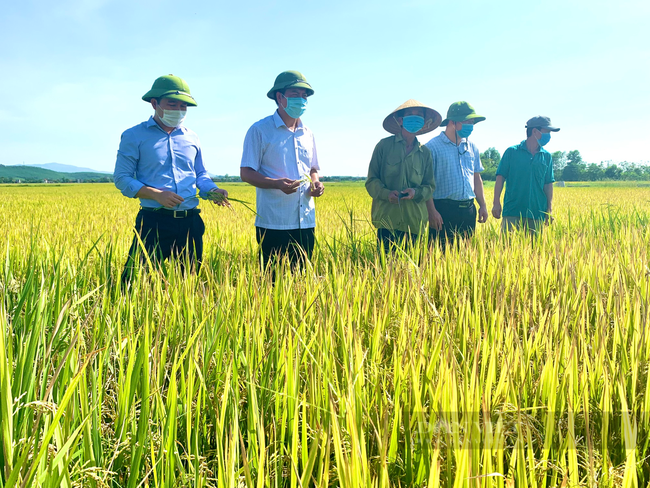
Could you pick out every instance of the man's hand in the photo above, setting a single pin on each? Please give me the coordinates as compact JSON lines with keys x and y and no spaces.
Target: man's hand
{"x":496,"y":210}
{"x":393,"y":197}
{"x":317,"y":189}
{"x":482,"y":214}
{"x":168,"y":199}
{"x":411,"y":194}
{"x":287,"y":185}
{"x":435,"y":220}
{"x":222,"y":203}
{"x":548,"y":218}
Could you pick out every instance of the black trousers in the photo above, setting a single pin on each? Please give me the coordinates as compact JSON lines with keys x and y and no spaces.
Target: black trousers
{"x":458,"y":220}
{"x":163,"y":237}
{"x":389,"y":239}
{"x":293,"y":243}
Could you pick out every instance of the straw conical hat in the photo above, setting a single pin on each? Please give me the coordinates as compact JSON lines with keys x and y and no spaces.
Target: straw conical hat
{"x":432,"y":118}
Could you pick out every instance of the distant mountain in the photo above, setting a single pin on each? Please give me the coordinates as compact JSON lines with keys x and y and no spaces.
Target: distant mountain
{"x":35,"y":174}
{"x":66,"y":168}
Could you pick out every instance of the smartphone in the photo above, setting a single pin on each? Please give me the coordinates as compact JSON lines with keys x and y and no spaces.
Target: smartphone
{"x":403,"y":194}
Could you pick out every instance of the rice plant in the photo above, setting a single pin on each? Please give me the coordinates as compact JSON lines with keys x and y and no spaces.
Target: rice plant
{"x":504,"y":362}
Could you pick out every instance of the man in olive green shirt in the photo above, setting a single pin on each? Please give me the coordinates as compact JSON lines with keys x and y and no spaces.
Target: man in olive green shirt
{"x":400,"y":176}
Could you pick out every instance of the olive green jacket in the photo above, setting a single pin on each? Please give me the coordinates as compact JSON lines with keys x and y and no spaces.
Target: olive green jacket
{"x":391,"y":169}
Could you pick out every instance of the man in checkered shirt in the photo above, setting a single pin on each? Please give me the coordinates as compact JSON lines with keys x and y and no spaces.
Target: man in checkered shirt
{"x":457,"y":171}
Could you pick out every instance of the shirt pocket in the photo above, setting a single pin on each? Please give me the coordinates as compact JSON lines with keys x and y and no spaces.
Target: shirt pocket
{"x":417,"y":173}
{"x":539,"y":172}
{"x":469,"y":163}
{"x":392,"y":171}
{"x":305,"y":154}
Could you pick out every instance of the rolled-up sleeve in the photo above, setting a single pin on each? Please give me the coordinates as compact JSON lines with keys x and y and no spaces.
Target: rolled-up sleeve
{"x":478,"y":164}
{"x":314,"y":161}
{"x":203,"y":181}
{"x":128,"y":156}
{"x":375,"y":187}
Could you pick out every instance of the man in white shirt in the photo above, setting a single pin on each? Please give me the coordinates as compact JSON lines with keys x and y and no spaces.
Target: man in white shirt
{"x":279,"y":154}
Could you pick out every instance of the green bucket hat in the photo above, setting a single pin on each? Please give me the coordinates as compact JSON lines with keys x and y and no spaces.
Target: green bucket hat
{"x":460,"y":112}
{"x":170,"y":86}
{"x":290,"y":79}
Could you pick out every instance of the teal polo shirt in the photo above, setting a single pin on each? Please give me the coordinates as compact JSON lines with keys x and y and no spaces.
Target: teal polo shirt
{"x":525,"y":175}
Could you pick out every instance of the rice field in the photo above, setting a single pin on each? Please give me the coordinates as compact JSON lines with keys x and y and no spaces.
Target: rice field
{"x":503,"y":363}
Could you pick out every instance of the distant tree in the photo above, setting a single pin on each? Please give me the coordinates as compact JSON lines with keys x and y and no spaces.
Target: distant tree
{"x":631,"y":171}
{"x":574,"y":157}
{"x":490,"y":160}
{"x":574,"y":172}
{"x":559,"y":162}
{"x":613,"y":172}
{"x":595,"y":172}
{"x":492,"y":154}
{"x":575,"y":169}
{"x":645,"y":172}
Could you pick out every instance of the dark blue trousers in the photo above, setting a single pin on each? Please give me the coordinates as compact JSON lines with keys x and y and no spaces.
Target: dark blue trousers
{"x":293,"y":243}
{"x":391,"y":238}
{"x":459,"y":220}
{"x":165,"y":237}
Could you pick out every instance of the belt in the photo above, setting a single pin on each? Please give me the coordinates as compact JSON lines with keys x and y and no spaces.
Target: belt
{"x":455,"y":203}
{"x":176,"y":214}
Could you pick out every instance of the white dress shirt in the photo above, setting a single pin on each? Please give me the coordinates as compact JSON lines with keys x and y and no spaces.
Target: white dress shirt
{"x":274,"y":151}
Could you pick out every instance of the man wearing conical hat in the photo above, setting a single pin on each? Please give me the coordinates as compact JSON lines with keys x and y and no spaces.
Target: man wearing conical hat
{"x":457,"y":168}
{"x":280,"y":160}
{"x":527,"y":171}
{"x":400,"y":177}
{"x":159,"y":161}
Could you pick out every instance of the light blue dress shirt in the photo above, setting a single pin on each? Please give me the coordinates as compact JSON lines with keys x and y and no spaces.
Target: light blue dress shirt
{"x":454,"y":167}
{"x":272,"y":150}
{"x":148,"y":156}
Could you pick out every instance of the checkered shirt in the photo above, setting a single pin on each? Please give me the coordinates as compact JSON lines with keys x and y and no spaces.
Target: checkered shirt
{"x":454,"y":167}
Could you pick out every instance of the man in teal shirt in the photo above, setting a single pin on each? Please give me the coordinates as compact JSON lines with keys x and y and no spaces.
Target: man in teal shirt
{"x":528,"y":170}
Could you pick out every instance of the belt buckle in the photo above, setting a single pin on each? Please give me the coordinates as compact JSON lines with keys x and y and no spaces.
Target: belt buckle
{"x":183,"y":212}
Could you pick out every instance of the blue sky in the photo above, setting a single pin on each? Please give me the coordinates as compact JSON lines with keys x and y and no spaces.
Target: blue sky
{"x":74,"y":72}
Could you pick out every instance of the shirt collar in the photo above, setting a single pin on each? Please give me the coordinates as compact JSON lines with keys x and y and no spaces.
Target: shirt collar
{"x":280,"y":123}
{"x":524,"y":147}
{"x":151,"y":123}
{"x":416,"y":144}
{"x":445,"y":139}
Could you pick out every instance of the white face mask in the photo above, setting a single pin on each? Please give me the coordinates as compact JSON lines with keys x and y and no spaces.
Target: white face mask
{"x":173,"y":118}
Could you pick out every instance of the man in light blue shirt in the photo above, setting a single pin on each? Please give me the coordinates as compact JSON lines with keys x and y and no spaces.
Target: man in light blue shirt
{"x":159,"y":161}
{"x":281,"y":161}
{"x":457,"y":171}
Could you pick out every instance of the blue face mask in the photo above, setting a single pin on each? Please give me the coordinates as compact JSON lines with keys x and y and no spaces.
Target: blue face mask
{"x":543,"y":141}
{"x":465,"y":131}
{"x":413,"y":123}
{"x":296,"y":106}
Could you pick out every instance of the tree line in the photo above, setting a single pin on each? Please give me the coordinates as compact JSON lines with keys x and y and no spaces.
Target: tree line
{"x":569,"y":166}
{"x":29,"y":179}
